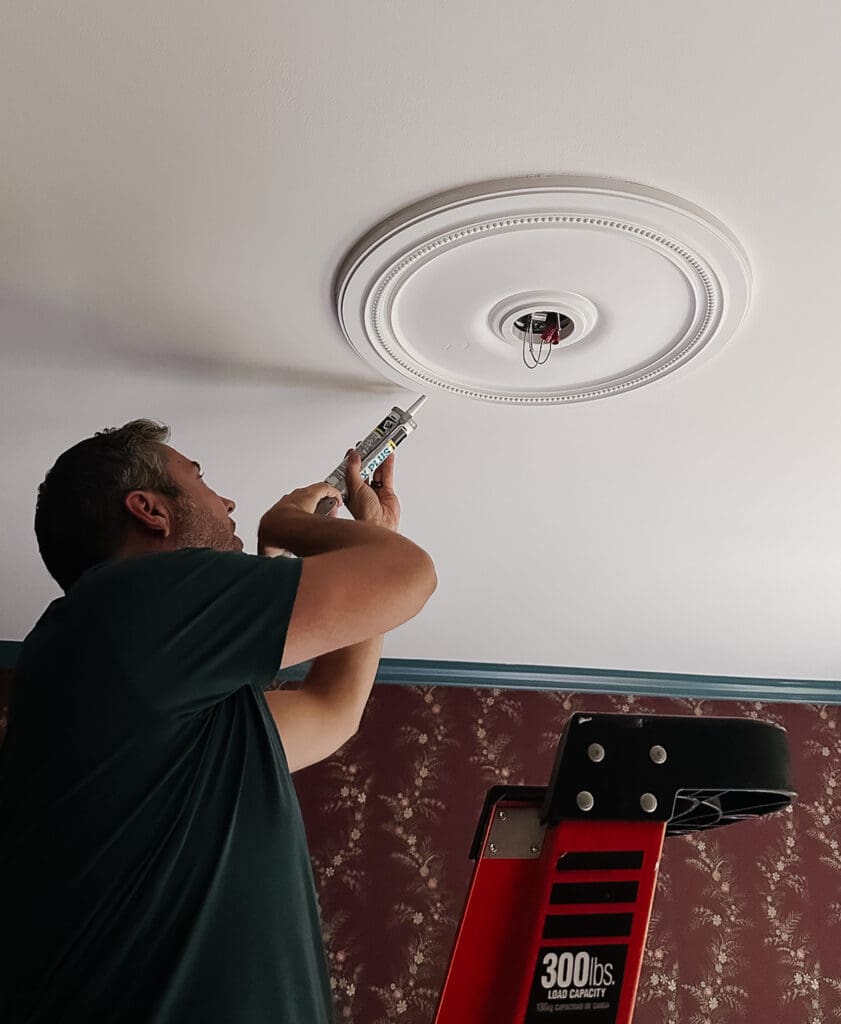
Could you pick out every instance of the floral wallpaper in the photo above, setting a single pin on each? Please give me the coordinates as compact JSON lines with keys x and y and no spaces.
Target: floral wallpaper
{"x":747,"y":919}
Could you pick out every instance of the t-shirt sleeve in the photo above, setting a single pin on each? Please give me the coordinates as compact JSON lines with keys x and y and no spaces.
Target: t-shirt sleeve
{"x":190,"y":627}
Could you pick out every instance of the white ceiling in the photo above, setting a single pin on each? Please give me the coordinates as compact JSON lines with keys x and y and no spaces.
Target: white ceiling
{"x":179,"y":183}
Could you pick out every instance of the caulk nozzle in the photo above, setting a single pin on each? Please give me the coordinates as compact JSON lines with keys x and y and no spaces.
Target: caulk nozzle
{"x":414,"y":408}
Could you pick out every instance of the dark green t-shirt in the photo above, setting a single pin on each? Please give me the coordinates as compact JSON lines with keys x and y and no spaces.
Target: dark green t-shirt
{"x":153,"y":861}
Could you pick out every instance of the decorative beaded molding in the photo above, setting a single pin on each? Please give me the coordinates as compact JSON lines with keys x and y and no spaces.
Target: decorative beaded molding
{"x":379,"y":321}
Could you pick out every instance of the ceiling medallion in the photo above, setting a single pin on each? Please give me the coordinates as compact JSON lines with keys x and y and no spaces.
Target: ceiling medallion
{"x":542,"y":290}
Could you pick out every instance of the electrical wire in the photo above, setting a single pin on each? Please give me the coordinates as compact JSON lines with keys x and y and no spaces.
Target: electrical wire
{"x":528,"y":344}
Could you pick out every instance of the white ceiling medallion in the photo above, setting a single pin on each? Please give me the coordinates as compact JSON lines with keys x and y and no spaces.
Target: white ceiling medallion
{"x":619,"y":283}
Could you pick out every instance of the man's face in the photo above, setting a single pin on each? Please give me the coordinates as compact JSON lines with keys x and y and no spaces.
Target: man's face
{"x":202,"y":517}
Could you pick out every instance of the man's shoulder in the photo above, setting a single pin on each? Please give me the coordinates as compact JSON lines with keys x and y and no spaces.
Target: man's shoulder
{"x":171,"y":583}
{"x":121,"y":575}
{"x":136,"y":565}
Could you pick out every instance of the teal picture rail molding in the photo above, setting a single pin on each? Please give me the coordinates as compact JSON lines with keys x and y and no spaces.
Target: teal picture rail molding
{"x":412,"y":672}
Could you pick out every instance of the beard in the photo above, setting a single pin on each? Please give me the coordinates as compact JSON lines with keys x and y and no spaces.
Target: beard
{"x":197,"y":527}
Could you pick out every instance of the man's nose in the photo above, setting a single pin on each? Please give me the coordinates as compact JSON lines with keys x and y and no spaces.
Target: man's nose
{"x":230,"y":504}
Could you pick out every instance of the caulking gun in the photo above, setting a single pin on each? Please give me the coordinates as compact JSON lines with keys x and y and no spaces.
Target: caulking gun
{"x":378,"y":446}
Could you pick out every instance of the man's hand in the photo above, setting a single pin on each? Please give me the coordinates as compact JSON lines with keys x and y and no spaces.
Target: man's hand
{"x":376,"y":502}
{"x":274,"y":523}
{"x":305,"y":499}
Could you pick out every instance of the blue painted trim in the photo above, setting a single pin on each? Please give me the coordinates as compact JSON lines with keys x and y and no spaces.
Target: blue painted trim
{"x":583,"y":680}
{"x":414,"y":672}
{"x":411,"y":672}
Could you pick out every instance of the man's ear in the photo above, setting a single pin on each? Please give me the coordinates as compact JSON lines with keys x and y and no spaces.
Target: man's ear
{"x":150,"y":510}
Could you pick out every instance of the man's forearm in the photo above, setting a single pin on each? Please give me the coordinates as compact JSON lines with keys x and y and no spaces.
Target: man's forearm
{"x":357,"y":579}
{"x":306,"y":535}
{"x":344,"y":679}
{"x":319,"y":717}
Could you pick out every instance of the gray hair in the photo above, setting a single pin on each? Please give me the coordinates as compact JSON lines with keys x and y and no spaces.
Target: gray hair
{"x":145,"y":466}
{"x":80,"y":517}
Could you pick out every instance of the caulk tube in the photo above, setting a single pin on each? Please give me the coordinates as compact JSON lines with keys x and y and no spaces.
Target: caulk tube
{"x":379,"y":445}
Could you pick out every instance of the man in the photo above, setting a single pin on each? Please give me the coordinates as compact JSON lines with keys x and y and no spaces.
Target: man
{"x":153,"y":862}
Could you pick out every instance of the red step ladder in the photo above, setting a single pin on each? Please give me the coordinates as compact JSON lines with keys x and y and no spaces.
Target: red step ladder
{"x":556,"y":917}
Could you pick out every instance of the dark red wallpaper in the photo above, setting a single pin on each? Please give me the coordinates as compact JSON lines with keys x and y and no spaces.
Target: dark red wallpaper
{"x":747,"y":919}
